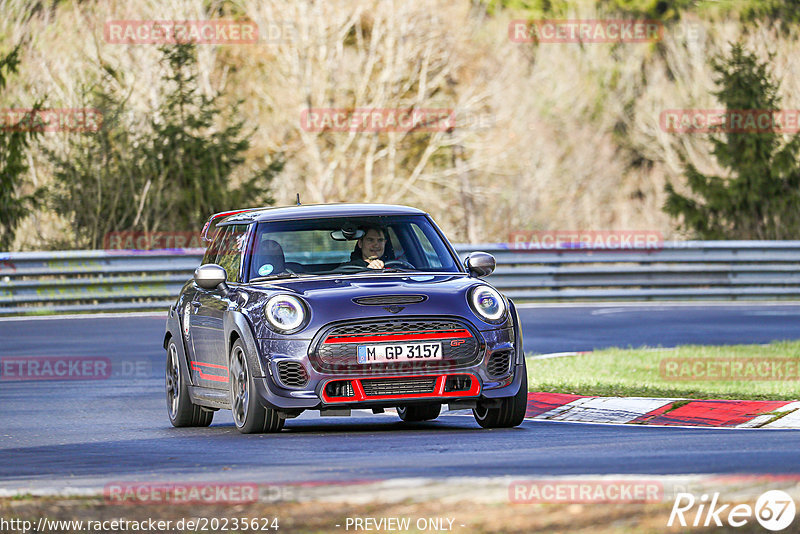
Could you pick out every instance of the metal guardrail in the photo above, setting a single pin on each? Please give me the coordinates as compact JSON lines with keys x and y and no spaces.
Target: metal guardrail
{"x":677,"y":270}
{"x":96,"y":280}
{"x":93,"y":280}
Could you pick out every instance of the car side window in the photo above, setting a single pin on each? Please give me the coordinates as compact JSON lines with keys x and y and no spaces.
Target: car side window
{"x":230,"y":250}
{"x":431,"y":258}
{"x":212,"y":251}
{"x":394,"y":239}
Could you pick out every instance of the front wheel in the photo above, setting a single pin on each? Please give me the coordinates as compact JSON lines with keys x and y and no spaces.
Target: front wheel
{"x":180,"y":409}
{"x":419,"y":412}
{"x":511,"y":410}
{"x":248,"y":414}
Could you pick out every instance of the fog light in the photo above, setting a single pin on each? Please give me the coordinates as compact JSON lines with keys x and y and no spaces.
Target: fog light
{"x":457,"y":383}
{"x":339,"y":388}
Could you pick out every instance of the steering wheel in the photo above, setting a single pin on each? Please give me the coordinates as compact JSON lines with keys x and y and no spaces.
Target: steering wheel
{"x":399,"y":263}
{"x":350,"y":269}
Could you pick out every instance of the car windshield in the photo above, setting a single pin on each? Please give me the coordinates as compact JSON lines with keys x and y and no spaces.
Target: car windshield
{"x":348,"y":245}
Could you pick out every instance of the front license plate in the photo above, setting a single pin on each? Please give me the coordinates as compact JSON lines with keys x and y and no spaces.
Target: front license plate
{"x":400,"y":352}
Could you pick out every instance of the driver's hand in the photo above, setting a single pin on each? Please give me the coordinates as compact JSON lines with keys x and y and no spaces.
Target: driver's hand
{"x":375,"y":264}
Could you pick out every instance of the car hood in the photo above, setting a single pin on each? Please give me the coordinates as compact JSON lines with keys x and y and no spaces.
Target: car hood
{"x":331,"y":298}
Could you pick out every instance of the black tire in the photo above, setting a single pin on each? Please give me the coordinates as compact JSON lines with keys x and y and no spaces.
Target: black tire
{"x":419,"y":412}
{"x":510,"y":412}
{"x":180,"y":409}
{"x":249,"y":415}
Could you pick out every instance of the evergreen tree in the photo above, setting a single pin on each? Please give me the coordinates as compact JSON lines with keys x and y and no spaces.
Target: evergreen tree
{"x":169,"y":174}
{"x":98,"y":183}
{"x":195,"y":158}
{"x":760,"y":197}
{"x":14,"y":142}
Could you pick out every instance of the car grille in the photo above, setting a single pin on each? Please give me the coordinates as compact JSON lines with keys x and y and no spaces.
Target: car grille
{"x":387,"y":327}
{"x":336,"y":348}
{"x":398,"y":386}
{"x":499,"y":363}
{"x":292,"y":374}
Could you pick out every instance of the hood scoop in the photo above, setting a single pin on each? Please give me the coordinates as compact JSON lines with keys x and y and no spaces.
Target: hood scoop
{"x":389,"y":300}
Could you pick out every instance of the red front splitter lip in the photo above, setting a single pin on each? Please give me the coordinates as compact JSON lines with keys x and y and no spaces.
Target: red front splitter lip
{"x":437,"y":393}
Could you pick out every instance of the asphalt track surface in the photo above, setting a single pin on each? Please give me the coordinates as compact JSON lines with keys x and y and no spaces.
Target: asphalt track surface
{"x":69,"y":434}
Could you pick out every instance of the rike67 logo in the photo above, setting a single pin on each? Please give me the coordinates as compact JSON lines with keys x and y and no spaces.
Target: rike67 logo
{"x":774,"y":510}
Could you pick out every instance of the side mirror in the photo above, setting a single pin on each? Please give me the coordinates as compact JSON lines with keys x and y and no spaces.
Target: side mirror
{"x":480,"y":264}
{"x":211,"y":276}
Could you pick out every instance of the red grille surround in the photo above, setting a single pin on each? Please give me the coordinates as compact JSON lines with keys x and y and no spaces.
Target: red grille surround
{"x":334,"y":349}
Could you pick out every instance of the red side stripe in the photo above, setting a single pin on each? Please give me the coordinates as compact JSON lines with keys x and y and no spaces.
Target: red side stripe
{"x":196,"y":366}
{"x":214,"y":365}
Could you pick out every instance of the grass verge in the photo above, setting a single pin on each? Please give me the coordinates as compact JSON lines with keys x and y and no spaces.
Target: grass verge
{"x":742,"y":372}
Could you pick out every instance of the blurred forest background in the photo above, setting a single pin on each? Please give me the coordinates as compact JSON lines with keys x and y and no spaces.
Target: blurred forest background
{"x":548,"y":136}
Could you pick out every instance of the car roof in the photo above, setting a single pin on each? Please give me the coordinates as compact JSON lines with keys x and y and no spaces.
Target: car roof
{"x":314,"y":211}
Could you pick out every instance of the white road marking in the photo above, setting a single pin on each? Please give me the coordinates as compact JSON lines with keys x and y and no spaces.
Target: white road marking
{"x":682,"y":303}
{"x":604,"y":409}
{"x":787,"y":421}
{"x":154,"y":315}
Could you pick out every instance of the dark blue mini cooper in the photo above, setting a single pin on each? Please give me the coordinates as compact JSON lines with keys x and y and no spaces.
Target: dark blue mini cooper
{"x":340,"y":307}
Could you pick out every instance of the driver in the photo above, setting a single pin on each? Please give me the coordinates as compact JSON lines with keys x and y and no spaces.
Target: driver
{"x":370,"y":249}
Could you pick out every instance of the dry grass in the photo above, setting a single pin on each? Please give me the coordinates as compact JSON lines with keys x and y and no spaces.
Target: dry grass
{"x":559,"y":136}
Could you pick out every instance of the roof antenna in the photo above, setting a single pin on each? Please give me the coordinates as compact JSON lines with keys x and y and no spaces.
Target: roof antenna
{"x":298,"y":199}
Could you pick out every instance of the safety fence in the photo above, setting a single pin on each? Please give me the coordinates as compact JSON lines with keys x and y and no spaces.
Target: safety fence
{"x":108,"y":280}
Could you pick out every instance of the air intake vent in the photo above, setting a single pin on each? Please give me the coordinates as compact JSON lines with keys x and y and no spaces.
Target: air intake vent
{"x":499,"y":363}
{"x":457,"y":383}
{"x":292,"y":374}
{"x":339,"y":388}
{"x":398,"y":386}
{"x":387,"y":300}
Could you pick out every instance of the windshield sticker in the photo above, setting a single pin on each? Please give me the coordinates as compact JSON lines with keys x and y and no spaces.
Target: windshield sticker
{"x":265,"y":269}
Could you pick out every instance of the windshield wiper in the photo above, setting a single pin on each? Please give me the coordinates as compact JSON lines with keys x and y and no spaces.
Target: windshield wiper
{"x":398,"y":269}
{"x":371,"y":270}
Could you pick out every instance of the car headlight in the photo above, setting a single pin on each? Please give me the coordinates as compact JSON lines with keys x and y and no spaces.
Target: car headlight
{"x":488,"y":304}
{"x":285,"y":313}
